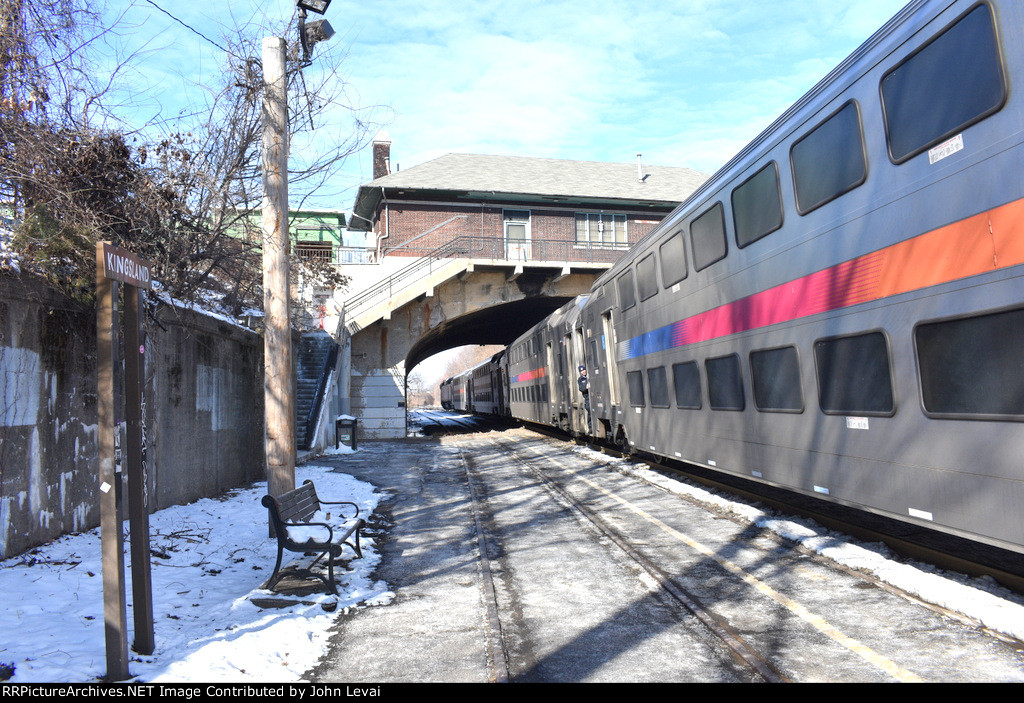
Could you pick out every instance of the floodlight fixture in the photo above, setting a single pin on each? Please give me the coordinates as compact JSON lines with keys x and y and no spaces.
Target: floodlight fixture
{"x":314,"y":32}
{"x":317,"y":6}
{"x":318,"y":31}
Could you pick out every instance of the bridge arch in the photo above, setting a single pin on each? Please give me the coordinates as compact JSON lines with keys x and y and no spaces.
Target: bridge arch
{"x":473,"y":304}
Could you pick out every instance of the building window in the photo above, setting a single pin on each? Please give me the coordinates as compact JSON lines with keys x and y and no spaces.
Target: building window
{"x":600,"y":229}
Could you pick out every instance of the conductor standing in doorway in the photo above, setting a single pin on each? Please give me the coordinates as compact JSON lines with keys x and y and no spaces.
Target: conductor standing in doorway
{"x":584,"y":383}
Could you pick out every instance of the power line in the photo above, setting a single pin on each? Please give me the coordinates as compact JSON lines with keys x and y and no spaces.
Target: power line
{"x":191,"y":28}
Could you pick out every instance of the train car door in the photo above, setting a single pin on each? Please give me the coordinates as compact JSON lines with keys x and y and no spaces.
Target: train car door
{"x":578,"y":408}
{"x":608,"y":349}
{"x":553,"y":395}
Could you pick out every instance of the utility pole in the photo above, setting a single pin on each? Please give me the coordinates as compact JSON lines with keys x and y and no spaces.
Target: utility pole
{"x":279,"y":387}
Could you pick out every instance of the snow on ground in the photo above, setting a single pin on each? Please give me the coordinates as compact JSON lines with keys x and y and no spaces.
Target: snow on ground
{"x":212,"y":557}
{"x":981,"y":599}
{"x":215,"y":554}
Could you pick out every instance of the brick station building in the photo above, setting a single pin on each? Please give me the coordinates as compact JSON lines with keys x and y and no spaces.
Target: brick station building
{"x":513,"y":207}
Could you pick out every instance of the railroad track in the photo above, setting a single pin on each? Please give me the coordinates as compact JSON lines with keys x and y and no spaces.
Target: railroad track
{"x":663,"y":555}
{"x":919,"y":544}
{"x":929,"y":547}
{"x":743,"y":652}
{"x":447,"y":422}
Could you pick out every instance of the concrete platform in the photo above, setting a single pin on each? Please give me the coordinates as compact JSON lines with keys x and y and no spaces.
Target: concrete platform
{"x":568,"y":607}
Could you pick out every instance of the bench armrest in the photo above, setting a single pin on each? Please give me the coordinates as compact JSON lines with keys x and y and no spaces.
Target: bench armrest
{"x":342,"y":502}
{"x":297,"y":532}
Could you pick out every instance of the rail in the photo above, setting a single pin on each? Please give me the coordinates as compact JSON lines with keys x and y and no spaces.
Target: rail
{"x":495,"y":248}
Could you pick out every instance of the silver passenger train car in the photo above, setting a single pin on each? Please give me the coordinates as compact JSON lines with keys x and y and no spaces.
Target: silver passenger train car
{"x":481,"y":389}
{"x":840,"y":309}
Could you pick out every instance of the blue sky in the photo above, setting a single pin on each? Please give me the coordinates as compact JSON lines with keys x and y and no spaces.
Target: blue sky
{"x":684,"y":82}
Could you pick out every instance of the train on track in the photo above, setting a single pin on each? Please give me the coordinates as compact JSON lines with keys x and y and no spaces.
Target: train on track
{"x":839,"y":310}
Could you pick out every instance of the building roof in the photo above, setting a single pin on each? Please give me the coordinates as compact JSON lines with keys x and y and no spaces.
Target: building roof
{"x":479,"y":177}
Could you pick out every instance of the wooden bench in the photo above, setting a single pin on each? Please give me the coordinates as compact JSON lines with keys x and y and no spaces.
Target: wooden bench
{"x":290,"y":516}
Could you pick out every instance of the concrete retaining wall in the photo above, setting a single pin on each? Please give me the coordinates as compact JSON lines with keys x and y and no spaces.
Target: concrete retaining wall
{"x":204,"y":412}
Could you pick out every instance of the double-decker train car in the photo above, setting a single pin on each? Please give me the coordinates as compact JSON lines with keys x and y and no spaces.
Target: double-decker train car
{"x":487,"y":388}
{"x":542,"y":370}
{"x":481,"y":389}
{"x":840,"y":309}
{"x":445,"y":390}
{"x":456,"y":389}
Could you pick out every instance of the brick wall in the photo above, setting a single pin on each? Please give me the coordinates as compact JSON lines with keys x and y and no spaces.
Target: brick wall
{"x":417,"y":229}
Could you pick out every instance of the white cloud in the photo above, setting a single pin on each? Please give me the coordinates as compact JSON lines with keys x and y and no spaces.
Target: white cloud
{"x":686,"y":82}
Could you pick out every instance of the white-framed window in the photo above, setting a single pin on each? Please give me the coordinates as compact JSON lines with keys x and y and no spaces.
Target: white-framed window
{"x":601,"y":229}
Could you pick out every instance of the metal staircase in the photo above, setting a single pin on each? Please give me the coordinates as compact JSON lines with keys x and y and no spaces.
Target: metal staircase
{"x":316,"y":357}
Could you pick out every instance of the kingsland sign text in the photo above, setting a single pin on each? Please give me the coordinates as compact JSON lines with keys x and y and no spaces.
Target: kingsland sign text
{"x":121,"y":265}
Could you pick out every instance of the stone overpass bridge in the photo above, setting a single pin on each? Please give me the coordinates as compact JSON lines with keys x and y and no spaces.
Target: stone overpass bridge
{"x":474,"y":290}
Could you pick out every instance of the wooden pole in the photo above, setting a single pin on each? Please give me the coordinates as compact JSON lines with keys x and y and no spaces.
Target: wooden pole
{"x":279,"y":395}
{"x":111,"y":534}
{"x":135,"y":465}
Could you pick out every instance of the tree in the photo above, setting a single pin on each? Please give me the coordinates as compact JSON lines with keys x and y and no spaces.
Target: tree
{"x":185,"y":199}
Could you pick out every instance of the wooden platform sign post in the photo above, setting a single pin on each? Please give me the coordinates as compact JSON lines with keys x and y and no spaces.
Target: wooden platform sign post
{"x":113,"y":267}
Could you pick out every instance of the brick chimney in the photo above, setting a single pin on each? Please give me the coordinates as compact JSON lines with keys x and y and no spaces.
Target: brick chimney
{"x":381,"y":155}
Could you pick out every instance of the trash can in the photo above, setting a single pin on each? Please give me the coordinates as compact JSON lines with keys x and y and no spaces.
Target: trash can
{"x":345,"y":431}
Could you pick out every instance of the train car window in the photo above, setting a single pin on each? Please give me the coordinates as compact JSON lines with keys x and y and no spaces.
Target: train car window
{"x":686,"y":378}
{"x":829,"y":160}
{"x":971,"y":366}
{"x":635,"y":382}
{"x":627,"y":294}
{"x":657,"y":382}
{"x":708,"y":235}
{"x":757,"y":206}
{"x":952,"y":82}
{"x":854,"y":375}
{"x":725,"y":383}
{"x":647,"y":277}
{"x":775,"y":377}
{"x":673,"y":259}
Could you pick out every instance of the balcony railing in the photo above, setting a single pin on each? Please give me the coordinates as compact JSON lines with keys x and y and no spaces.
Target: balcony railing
{"x":338,"y":256}
{"x":496,"y":248}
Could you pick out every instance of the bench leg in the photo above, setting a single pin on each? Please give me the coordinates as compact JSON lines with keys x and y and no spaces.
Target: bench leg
{"x":356,"y":547}
{"x":274,"y":577}
{"x":330,"y":572}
